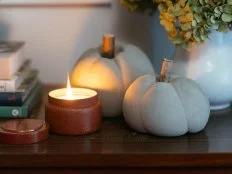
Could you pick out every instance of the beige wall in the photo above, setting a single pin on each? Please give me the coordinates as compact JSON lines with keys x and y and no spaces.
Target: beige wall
{"x":55,"y":37}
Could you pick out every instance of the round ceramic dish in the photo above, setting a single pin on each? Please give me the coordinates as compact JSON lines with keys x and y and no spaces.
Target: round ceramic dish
{"x":23,"y":131}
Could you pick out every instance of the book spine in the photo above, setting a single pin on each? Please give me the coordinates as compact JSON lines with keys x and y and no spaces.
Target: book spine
{"x":11,"y":99}
{"x":25,"y":110}
{"x":8,"y":86}
{"x":11,"y":112}
{"x":12,"y":85}
{"x":11,"y":60}
{"x":18,"y":98}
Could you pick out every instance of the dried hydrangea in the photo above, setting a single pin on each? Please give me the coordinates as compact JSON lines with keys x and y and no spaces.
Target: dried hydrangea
{"x":188,"y":22}
{"x":177,"y":18}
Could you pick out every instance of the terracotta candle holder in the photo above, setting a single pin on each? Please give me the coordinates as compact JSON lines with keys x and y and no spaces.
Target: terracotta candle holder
{"x":76,"y":115}
{"x":23,"y":131}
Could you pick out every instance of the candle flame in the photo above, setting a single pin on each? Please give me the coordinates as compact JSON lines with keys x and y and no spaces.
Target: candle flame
{"x":69,"y":90}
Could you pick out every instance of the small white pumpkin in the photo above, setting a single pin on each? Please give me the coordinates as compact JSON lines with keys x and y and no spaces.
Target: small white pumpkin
{"x":165,"y":108}
{"x":111,"y":77}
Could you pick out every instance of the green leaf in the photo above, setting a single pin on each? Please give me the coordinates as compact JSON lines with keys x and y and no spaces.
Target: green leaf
{"x":216,"y":10}
{"x":198,"y":18}
{"x":186,"y":26}
{"x":212,"y":20}
{"x":194,"y":23}
{"x":202,"y":2}
{"x":223,"y":27}
{"x":162,"y":7}
{"x":203,"y":37}
{"x":177,"y":40}
{"x":226,"y":17}
{"x":215,"y":26}
{"x":228,"y":9}
{"x":229,"y":2}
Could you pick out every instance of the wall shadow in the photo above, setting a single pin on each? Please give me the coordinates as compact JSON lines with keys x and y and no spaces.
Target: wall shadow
{"x":4,"y":31}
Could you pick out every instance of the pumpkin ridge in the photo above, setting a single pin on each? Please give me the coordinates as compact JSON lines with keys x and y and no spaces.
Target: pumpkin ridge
{"x":122,"y":63}
{"x":180,"y":98}
{"x":114,"y":60}
{"x":141,"y":105}
{"x":120,"y":54}
{"x":82,"y":56}
{"x":93,"y":64}
{"x":82,"y":59}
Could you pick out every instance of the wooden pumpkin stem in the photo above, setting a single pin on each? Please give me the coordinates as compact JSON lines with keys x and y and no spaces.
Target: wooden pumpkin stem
{"x":166,"y":70}
{"x":108,"y":46}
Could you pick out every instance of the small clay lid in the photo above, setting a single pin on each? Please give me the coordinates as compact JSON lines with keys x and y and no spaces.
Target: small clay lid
{"x":23,"y":131}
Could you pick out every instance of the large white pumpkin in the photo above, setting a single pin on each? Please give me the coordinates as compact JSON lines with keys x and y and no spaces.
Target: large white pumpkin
{"x":165,"y":109}
{"x":111,"y":77}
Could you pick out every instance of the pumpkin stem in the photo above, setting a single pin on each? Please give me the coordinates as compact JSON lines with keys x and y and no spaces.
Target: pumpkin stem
{"x":166,"y":70}
{"x":108,"y":46}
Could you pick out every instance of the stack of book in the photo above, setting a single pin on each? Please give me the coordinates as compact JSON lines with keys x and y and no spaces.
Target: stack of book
{"x":20,"y":89}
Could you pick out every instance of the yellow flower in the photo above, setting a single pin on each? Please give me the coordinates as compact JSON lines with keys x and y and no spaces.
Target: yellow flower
{"x":188,"y":35}
{"x":172,"y":33}
{"x":187,"y":8}
{"x":187,"y":18}
{"x":168,"y":3}
{"x":181,"y":3}
{"x":180,"y":32}
{"x":169,"y":17}
{"x":168,"y":25}
{"x":183,"y":19}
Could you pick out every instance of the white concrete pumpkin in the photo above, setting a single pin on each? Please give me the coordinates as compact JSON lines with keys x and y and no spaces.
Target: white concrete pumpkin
{"x":165,"y":109}
{"x":111,"y":77}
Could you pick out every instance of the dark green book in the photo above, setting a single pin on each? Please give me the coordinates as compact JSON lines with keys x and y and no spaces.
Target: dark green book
{"x":23,"y":111}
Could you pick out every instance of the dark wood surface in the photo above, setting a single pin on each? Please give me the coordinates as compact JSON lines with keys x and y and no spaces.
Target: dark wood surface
{"x":116,"y":146}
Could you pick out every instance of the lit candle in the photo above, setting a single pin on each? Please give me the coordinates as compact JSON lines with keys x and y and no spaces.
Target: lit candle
{"x":70,"y":93}
{"x":73,"y":111}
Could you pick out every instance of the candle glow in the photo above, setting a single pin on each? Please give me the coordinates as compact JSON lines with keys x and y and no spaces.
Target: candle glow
{"x":70,"y":93}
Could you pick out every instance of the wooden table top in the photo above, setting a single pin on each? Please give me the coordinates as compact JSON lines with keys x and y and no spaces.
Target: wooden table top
{"x":116,"y":145}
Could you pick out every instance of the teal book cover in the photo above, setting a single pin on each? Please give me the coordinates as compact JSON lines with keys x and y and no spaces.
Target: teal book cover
{"x":23,"y":111}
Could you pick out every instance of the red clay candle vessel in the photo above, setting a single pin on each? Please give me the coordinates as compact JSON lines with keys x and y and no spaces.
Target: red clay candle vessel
{"x":73,"y":111}
{"x":23,"y":131}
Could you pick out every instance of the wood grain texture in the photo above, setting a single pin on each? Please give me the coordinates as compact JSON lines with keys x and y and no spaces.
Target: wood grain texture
{"x":117,"y":146}
{"x":119,"y":171}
